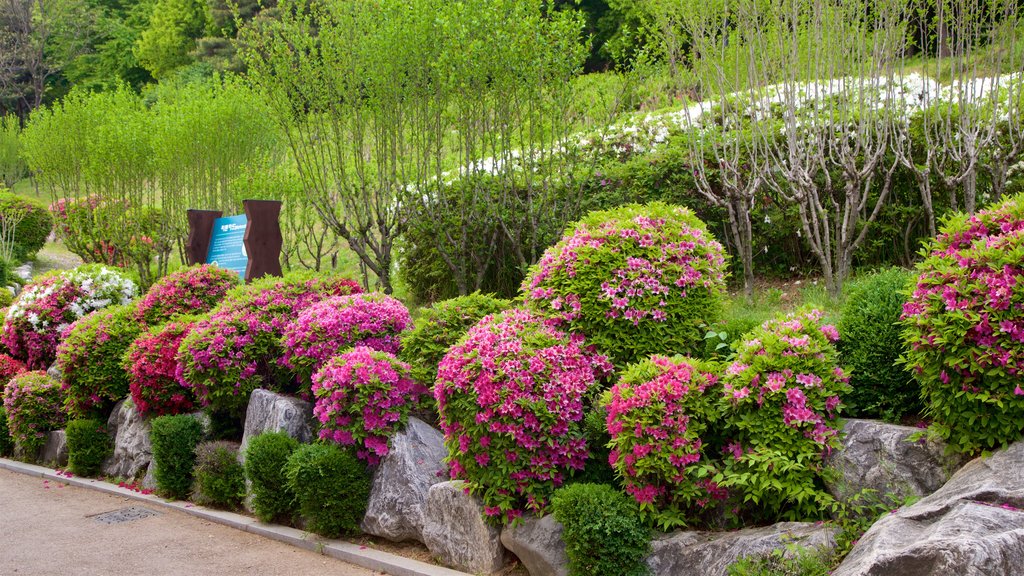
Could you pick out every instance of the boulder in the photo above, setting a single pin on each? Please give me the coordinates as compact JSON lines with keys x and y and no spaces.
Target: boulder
{"x":398,"y":499}
{"x":149,"y":480}
{"x":692,"y":553}
{"x":881,"y":457}
{"x":132,"y":448}
{"x":54,"y":372}
{"x":538,"y":544}
{"x":456,"y":534}
{"x":272,"y":412}
{"x":971,"y":526}
{"x":55,"y":451}
{"x":24,"y":271}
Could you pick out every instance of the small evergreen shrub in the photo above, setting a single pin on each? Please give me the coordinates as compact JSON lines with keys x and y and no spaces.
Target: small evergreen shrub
{"x":194,"y":290}
{"x":174,"y":441}
{"x":219,"y":477}
{"x":90,"y":360}
{"x":870,"y":344}
{"x":604,"y":532}
{"x":34,"y":405}
{"x":152,"y":366}
{"x":362,"y":398}
{"x":6,"y":442}
{"x":265,"y":459}
{"x":636,"y":280}
{"x":9,"y":368}
{"x":89,"y":444}
{"x":34,"y":223}
{"x":964,"y":329}
{"x":511,"y":397}
{"x":331,"y":486}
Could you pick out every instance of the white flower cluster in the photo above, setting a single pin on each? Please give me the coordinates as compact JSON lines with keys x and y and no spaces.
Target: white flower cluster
{"x":102,"y":286}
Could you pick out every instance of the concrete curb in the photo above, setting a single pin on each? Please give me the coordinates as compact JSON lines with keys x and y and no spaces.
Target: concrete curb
{"x":346,"y":551}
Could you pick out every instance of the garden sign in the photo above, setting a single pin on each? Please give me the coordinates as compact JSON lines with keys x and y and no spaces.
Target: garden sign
{"x":249,"y":243}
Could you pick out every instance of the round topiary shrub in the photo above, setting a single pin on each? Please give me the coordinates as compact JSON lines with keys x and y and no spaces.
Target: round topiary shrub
{"x":659,"y":418}
{"x":331,"y":486}
{"x":964,"y":328}
{"x":9,"y":368}
{"x":870,"y":346}
{"x":363,"y":397}
{"x":34,"y":223}
{"x":151,"y":363}
{"x":235,"y":350}
{"x":50,"y":303}
{"x":781,"y":399}
{"x":90,"y":360}
{"x":174,"y":441}
{"x":326,"y":328}
{"x":194,"y":290}
{"x":604,"y":533}
{"x":440,"y":327}
{"x":265,"y":459}
{"x":219,"y":477}
{"x":511,"y":397}
{"x":89,"y":444}
{"x":636,"y":280}
{"x":34,"y":404}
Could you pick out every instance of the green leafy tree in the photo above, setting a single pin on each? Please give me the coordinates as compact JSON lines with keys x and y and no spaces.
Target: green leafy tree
{"x":173,"y":29}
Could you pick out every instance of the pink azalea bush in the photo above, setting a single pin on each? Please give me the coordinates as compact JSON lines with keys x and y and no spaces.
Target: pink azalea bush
{"x":326,"y":328}
{"x":964,"y":328}
{"x":193,"y":290}
{"x":34,"y":405}
{"x":635,"y":280}
{"x":363,"y":397}
{"x":49,"y":304}
{"x":511,"y":397}
{"x":152,"y":365}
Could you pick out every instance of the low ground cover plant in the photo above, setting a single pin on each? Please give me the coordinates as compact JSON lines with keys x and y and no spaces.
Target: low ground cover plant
{"x":34,"y":404}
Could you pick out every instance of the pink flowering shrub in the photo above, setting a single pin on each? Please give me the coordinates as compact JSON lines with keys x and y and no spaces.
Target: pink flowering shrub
{"x":660,"y":415}
{"x":964,"y":328}
{"x":511,"y":397}
{"x":363,"y":397}
{"x":193,"y":290}
{"x":636,"y":280}
{"x":9,"y":368}
{"x":34,"y":405}
{"x":152,"y":364}
{"x":235,"y":350}
{"x":326,"y":328}
{"x":781,"y":399}
{"x":50,"y":303}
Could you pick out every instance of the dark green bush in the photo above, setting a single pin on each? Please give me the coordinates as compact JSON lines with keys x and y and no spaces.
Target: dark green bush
{"x":870,"y":343}
{"x":219,"y":477}
{"x":6,"y":443}
{"x":332,"y":488}
{"x":174,"y":441}
{"x":88,"y":446}
{"x":604,"y":533}
{"x":265,"y":458}
{"x":34,"y":225}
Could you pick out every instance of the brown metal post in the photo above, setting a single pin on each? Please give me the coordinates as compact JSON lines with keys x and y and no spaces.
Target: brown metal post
{"x":200,"y":230}
{"x":262,"y":238}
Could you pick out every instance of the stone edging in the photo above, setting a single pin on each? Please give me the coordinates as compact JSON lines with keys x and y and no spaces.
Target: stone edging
{"x":352,"y":553}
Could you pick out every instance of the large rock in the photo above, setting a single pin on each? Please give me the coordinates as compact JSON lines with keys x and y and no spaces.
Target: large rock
{"x":54,"y":372}
{"x":132,"y":448}
{"x":271,"y":412}
{"x":55,"y":451}
{"x":687,"y":553}
{"x":398,"y":499}
{"x":972,"y":526}
{"x":456,"y":534}
{"x":538,"y":544}
{"x":880,"y":457}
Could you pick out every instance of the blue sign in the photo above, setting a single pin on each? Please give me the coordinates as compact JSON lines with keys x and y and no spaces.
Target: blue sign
{"x":226,"y":249}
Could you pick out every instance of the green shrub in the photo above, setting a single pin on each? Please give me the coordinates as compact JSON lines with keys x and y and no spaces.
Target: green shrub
{"x":265,"y":459}
{"x":870,"y":344}
{"x":793,"y":561}
{"x":331,"y":486}
{"x":6,"y":298}
{"x":34,"y":223}
{"x":34,"y":405}
{"x":219,"y":477}
{"x":88,"y":446}
{"x":724,"y":336}
{"x":6,"y":442}
{"x":174,"y":441}
{"x":603,"y":531}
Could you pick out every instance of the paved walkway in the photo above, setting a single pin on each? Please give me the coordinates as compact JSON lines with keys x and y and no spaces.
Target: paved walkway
{"x":46,"y":529}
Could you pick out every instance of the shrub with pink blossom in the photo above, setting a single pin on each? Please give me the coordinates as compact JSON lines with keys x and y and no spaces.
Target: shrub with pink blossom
{"x":193,"y":290}
{"x":235,"y":350}
{"x":34,"y":405}
{"x":363,"y":397}
{"x":661,"y":417}
{"x":326,"y":328}
{"x":9,"y":368}
{"x":636,"y":280}
{"x":511,"y":397}
{"x":152,"y":364}
{"x":964,"y":328}
{"x":50,"y":303}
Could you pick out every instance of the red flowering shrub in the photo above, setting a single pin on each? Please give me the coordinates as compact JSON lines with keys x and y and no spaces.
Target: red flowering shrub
{"x":152,"y":365}
{"x":511,"y":398}
{"x":636,"y":281}
{"x":964,"y":328}
{"x":362,"y":398}
{"x":326,"y":328}
{"x":9,"y":368}
{"x":35,"y":405}
{"x":193,"y":290}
